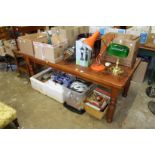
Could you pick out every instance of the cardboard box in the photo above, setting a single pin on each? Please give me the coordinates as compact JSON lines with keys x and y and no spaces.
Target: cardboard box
{"x":140,"y":72}
{"x":51,"y":53}
{"x":95,"y":113}
{"x":10,"y":46}
{"x":25,"y":43}
{"x":139,"y":30}
{"x":105,"y":29}
{"x":128,"y":40}
{"x":83,"y":29}
{"x":9,"y":51}
{"x":58,"y":35}
{"x":72,"y":33}
{"x":2,"y":51}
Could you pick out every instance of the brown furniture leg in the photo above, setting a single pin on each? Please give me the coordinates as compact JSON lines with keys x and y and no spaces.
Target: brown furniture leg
{"x":16,"y":123}
{"x":29,"y":66}
{"x":112,"y":105}
{"x":126,"y":89}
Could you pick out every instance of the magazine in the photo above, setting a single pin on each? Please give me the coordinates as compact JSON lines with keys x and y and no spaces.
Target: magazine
{"x":99,"y":99}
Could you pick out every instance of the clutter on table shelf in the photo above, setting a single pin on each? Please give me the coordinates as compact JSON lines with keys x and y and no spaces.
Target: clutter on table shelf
{"x":79,"y":86}
{"x":63,"y":78}
{"x":62,"y":87}
{"x":97,"y":102}
{"x":54,"y":40}
{"x":69,"y":54}
{"x":76,"y":94}
{"x":7,"y":47}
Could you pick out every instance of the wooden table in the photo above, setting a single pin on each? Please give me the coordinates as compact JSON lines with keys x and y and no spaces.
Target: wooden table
{"x":115,"y":83}
{"x":148,"y":46}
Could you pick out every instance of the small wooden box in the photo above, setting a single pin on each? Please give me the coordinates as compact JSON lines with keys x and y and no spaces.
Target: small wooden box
{"x":95,"y":113}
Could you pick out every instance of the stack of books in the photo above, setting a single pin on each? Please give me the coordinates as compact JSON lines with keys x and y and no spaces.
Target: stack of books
{"x":99,"y":99}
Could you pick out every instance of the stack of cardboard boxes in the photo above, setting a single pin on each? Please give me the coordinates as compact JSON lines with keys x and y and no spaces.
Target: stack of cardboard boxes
{"x":25,"y":43}
{"x":72,"y":33}
{"x":7,"y":47}
{"x":36,"y":45}
{"x":61,"y":37}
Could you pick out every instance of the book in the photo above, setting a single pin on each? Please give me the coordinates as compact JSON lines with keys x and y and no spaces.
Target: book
{"x":96,"y":108}
{"x":99,"y":98}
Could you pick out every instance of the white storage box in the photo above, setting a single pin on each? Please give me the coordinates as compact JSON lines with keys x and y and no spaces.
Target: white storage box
{"x":55,"y":91}
{"x":38,"y":84}
{"x":49,"y":87}
{"x":51,"y":53}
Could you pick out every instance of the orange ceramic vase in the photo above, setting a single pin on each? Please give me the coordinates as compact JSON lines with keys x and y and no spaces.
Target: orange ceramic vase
{"x":91,"y":40}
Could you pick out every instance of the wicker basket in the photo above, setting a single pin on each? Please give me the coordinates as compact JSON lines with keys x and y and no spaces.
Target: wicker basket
{"x":93,"y":112}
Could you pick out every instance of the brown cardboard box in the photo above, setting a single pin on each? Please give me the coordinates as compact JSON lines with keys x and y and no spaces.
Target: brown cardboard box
{"x":9,"y":51}
{"x":51,"y":53}
{"x":2,"y":51}
{"x":10,"y":46}
{"x":72,"y":33}
{"x":140,"y":72}
{"x":58,"y":36}
{"x":25,"y":43}
{"x":83,"y":29}
{"x":95,"y":113}
{"x":129,"y":40}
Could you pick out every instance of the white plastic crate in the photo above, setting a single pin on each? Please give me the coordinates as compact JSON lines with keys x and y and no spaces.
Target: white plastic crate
{"x":55,"y":91}
{"x":49,"y":88}
{"x":37,"y":84}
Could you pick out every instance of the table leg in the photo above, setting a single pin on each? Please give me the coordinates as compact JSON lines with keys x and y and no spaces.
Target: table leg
{"x":29,"y":66}
{"x":112,"y":105}
{"x":126,"y":89}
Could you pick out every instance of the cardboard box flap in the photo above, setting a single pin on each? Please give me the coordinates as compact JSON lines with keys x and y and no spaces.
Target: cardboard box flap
{"x":122,"y":36}
{"x":33,"y":36}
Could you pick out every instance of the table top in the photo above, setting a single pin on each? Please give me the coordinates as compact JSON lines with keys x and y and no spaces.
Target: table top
{"x":148,"y":46}
{"x":103,"y":78}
